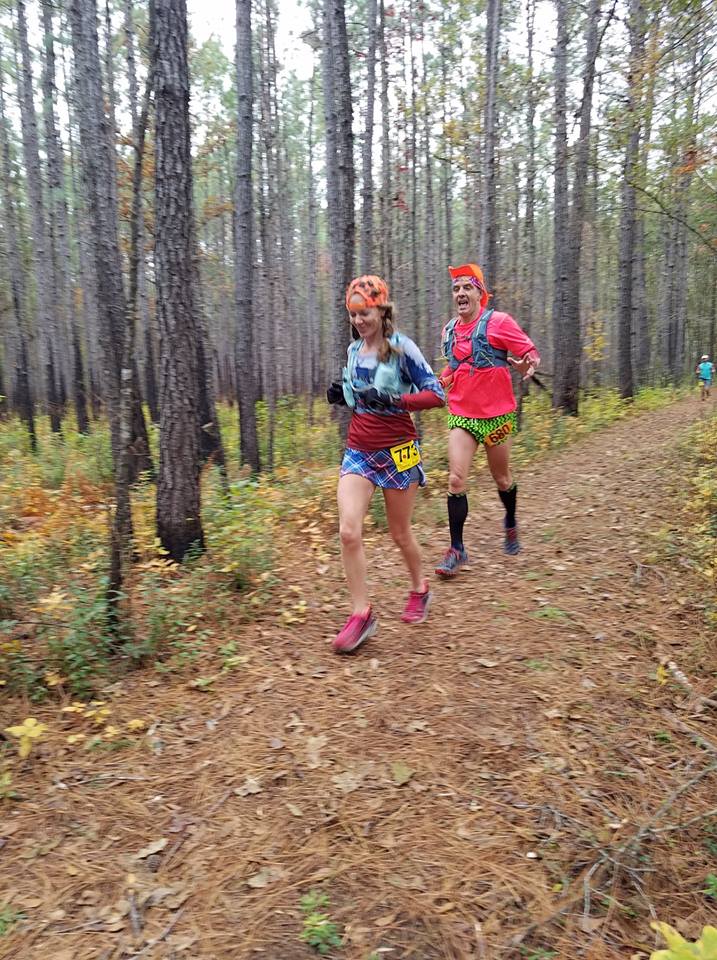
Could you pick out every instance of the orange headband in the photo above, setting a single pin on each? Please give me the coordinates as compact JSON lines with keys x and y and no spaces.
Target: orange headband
{"x":367,"y":291}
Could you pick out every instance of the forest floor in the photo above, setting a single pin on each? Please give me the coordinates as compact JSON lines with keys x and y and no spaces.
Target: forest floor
{"x":517,"y":777}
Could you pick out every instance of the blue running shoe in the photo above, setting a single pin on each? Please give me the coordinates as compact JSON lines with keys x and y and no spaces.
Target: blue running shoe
{"x":511,"y":544}
{"x":452,"y":562}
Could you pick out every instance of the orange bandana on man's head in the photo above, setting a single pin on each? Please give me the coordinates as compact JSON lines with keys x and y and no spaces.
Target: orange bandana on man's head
{"x":365,"y":292}
{"x":473,"y":271}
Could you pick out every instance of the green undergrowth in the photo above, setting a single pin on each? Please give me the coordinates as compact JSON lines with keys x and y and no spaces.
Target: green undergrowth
{"x":690,"y":537}
{"x":54,"y":522}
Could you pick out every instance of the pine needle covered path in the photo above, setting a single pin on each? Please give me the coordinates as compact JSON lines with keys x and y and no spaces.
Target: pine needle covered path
{"x":486,"y":785}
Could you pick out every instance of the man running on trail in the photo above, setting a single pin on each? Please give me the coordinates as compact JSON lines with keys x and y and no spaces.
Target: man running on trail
{"x":481,"y":402}
{"x":706,"y":372}
{"x":385,"y":378}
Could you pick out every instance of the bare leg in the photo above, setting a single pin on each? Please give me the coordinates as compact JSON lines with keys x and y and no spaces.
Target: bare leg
{"x":499,"y":464}
{"x":461,"y":450}
{"x":354,"y":496}
{"x":399,"y":509}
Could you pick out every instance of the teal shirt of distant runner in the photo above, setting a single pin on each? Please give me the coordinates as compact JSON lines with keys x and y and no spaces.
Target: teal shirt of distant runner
{"x":705,"y":371}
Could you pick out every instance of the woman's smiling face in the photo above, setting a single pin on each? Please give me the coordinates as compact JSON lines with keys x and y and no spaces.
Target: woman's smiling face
{"x":466,"y":296}
{"x":367,"y":322}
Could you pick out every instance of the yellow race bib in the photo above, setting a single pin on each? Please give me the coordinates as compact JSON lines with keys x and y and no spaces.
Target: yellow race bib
{"x":405,"y":455}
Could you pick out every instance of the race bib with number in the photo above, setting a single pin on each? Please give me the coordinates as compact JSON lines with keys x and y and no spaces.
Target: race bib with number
{"x":405,"y":455}
{"x":499,"y":434}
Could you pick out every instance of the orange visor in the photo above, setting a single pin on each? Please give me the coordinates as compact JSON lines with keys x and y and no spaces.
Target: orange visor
{"x":473,"y":271}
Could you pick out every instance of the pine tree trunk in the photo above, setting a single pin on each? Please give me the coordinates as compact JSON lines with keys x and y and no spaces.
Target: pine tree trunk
{"x":41,"y":250}
{"x":626,"y":256}
{"x":387,"y":215}
{"x":367,"y":147}
{"x":145,"y":323}
{"x":489,"y":220}
{"x":571,"y":314}
{"x":340,"y":169}
{"x":179,"y":524}
{"x":565,"y":393}
{"x":60,"y":221}
{"x":246,"y":366}
{"x":23,"y":393}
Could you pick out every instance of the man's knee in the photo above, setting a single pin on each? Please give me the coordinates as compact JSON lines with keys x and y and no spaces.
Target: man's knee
{"x":456,"y":482}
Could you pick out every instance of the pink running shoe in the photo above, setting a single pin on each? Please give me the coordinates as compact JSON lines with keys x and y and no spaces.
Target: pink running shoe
{"x":417,"y":606}
{"x":358,"y":627}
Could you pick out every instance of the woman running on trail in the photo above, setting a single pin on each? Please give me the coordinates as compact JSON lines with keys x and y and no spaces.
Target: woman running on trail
{"x":481,"y":403}
{"x":386,"y":376}
{"x":705,"y":371}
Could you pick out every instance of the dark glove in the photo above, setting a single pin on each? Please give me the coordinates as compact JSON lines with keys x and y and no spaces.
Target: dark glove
{"x":378,"y":400}
{"x":335,"y":394}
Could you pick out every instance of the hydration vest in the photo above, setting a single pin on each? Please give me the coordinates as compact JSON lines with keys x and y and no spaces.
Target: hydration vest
{"x":483,"y":354}
{"x":389,"y":375}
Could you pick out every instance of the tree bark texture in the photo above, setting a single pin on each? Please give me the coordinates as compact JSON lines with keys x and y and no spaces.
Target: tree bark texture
{"x":41,"y":250}
{"x":340,"y":169}
{"x":489,"y":225}
{"x":565,"y":380}
{"x":246,"y":367}
{"x":178,"y":497}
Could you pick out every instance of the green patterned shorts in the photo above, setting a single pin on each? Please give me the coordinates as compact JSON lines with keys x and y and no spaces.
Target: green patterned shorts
{"x":491,"y":431}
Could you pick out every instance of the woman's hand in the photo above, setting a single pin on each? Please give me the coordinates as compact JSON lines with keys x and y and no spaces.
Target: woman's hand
{"x":525,"y":367}
{"x":335,"y":394}
{"x":446,"y":382}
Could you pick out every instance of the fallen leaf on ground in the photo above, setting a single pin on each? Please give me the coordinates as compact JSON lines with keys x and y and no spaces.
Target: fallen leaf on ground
{"x":401,"y":773}
{"x":250,"y":786}
{"x":264,"y":877}
{"x":156,"y":847}
{"x":348,"y":781}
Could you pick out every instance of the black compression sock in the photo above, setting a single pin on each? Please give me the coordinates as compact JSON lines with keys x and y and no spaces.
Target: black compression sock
{"x":457,"y":513}
{"x":509,"y":498}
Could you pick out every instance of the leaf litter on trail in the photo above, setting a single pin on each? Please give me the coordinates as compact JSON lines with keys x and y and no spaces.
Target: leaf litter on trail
{"x":156,"y":847}
{"x":264,"y":877}
{"x":401,"y":773}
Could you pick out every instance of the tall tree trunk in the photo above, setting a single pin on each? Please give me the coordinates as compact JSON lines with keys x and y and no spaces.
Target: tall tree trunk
{"x":142,"y":307}
{"x":313,"y":313}
{"x":387,"y":199}
{"x":528,"y":281}
{"x":489,"y":220}
{"x":340,"y":168}
{"x":565,"y":387}
{"x":24,"y":400}
{"x":179,"y":524}
{"x":246,"y":367}
{"x":367,"y":147}
{"x":60,"y":221}
{"x":626,"y":256}
{"x":41,"y":252}
{"x":571,"y":316}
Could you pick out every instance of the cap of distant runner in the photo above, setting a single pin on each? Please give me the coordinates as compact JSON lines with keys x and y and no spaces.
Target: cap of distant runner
{"x":705,"y":356}
{"x":473,"y":271}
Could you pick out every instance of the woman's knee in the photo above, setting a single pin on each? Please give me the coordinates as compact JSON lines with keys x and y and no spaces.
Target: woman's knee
{"x":402,"y":537}
{"x":350,"y":534}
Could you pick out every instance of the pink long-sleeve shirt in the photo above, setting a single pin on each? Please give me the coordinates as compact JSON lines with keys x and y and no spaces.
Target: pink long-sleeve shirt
{"x":488,"y":392}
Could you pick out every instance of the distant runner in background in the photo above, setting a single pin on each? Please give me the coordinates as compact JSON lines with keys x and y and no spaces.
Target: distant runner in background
{"x":706,"y":372}
{"x":481,"y":403}
{"x":386,"y":377}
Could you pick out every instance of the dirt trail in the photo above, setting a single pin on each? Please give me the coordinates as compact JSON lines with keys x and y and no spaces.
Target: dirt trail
{"x":448,"y":787}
